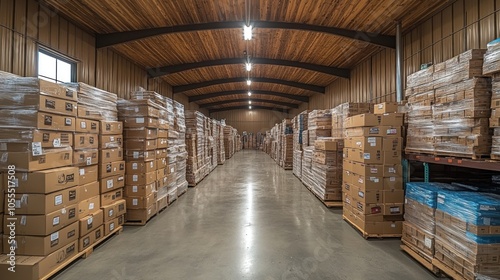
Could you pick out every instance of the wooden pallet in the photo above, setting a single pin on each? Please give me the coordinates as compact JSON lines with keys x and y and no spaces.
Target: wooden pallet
{"x":288,"y":167}
{"x":367,"y":235}
{"x":447,"y":270}
{"x":418,"y":152}
{"x":422,"y":259}
{"x":139,"y":222}
{"x":83,"y":254}
{"x":495,"y":157}
{"x":329,"y":203}
{"x":468,"y":156}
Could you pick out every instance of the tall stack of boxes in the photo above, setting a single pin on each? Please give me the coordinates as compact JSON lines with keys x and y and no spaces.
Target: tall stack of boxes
{"x":213,"y":143}
{"x":141,"y":121}
{"x":297,"y":148}
{"x":168,"y":186}
{"x":327,"y":168}
{"x":221,"y":155}
{"x":319,"y":125}
{"x":307,"y":165}
{"x":372,"y":178}
{"x":491,"y":67}
{"x":195,"y":141}
{"x":346,"y":110}
{"x":286,"y":160}
{"x":180,"y":148}
{"x":229,"y":139}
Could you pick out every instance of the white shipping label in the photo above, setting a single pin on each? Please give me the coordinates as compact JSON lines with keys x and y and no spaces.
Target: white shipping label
{"x":374,"y":170}
{"x":135,"y":201}
{"x":136,"y":154}
{"x":361,"y":194}
{"x":58,"y":200}
{"x":360,"y":181}
{"x":366,"y":155}
{"x":392,"y":170}
{"x":172,"y":170}
{"x":392,"y":179}
{"x":381,"y":106}
{"x":136,"y":109}
{"x":374,"y":179}
{"x":83,"y":125}
{"x":82,"y":172}
{"x":135,"y":166}
{"x":486,"y":221}
{"x":91,"y":206}
{"x":36,"y":149}
{"x":56,"y":143}
{"x":392,"y":131}
{"x":68,"y":121}
{"x":90,"y":220}
{"x":112,"y":139}
{"x":54,"y":236}
{"x":55,"y":221}
{"x":359,"y":143}
{"x":440,"y":200}
{"x":111,"y":226}
{"x":372,"y":140}
{"x":428,"y":242}
{"x":111,"y":212}
{"x":135,"y":178}
{"x":89,"y":160}
{"x":373,"y":144}
{"x":393,"y":225}
{"x":134,"y":189}
{"x":485,"y":207}
{"x":63,"y":211}
{"x":139,"y":120}
{"x":18,"y":203}
{"x":23,"y":220}
{"x":109,"y":184}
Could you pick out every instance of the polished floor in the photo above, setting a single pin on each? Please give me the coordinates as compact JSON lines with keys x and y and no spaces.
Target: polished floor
{"x":249,"y":219}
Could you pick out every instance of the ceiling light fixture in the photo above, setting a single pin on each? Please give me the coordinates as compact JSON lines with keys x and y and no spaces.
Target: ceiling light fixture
{"x":250,"y":107}
{"x":249,"y":82}
{"x":249,"y":102}
{"x":248,"y":66}
{"x":249,"y":93}
{"x":247,"y":32}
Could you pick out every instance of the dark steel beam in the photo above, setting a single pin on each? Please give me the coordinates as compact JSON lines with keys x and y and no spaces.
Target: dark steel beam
{"x":196,"y":98}
{"x":106,"y":40}
{"x":286,"y":104}
{"x":246,"y":108}
{"x":183,"y":88}
{"x":166,"y":70}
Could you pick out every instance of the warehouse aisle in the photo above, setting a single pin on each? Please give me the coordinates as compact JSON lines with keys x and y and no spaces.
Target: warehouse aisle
{"x":249,"y":219}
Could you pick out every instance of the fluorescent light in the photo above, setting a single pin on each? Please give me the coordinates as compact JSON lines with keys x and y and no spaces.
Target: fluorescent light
{"x":249,"y":82}
{"x":249,"y":93}
{"x":247,"y":32}
{"x":248,"y":66}
{"x":250,"y":107}
{"x":249,"y":102}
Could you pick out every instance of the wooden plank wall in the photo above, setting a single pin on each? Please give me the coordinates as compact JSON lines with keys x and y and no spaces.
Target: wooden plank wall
{"x":250,"y":120}
{"x":25,"y":25}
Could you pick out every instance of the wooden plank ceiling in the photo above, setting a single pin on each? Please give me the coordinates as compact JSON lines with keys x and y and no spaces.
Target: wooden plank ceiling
{"x":106,"y":17}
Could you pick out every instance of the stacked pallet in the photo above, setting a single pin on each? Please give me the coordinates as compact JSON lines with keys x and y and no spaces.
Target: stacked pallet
{"x":286,"y":159}
{"x":327,"y":169}
{"x":373,"y":185}
{"x":229,"y":141}
{"x":307,"y":164}
{"x":319,"y":124}
{"x":346,"y":110}
{"x":298,"y":128}
{"x":491,"y":67}
{"x":195,"y":141}
{"x":177,"y":143}
{"x":214,"y":137}
{"x":237,"y":141}
{"x":221,"y":155}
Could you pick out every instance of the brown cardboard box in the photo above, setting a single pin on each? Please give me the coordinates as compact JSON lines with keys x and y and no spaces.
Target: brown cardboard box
{"x":162,"y":143}
{"x":34,"y":119}
{"x":141,"y":214}
{"x":374,"y":131}
{"x":364,"y":143}
{"x":140,"y":167}
{"x":368,"y":208}
{"x":87,"y":174}
{"x":368,"y":183}
{"x":85,"y":141}
{"x":91,"y":222}
{"x":110,"y":226}
{"x":161,"y":173}
{"x":361,"y":120}
{"x":392,"y":157}
{"x":329,"y":145}
{"x":89,"y":206}
{"x":137,"y":122}
{"x":347,"y":164}
{"x":35,"y":268}
{"x":374,"y":157}
{"x":112,"y":183}
{"x":88,"y":191}
{"x":171,"y":168}
{"x":41,"y":204}
{"x":393,"y":170}
{"x":45,"y":181}
{"x":140,"y":144}
{"x":91,"y":238}
{"x":110,"y":155}
{"x":110,"y":141}
{"x":366,"y":196}
{"x":121,"y":208}
{"x":112,"y":169}
{"x":109,"y":212}
{"x":367,"y":169}
{"x":393,"y":183}
{"x":25,"y":161}
{"x":42,"y":225}
{"x":393,"y":196}
{"x":141,"y":133}
{"x":141,"y":179}
{"x":134,"y":155}
{"x":111,"y":128}
{"x":392,"y":144}
{"x":163,"y":125}
{"x":86,"y":157}
{"x":87,"y":126}
{"x":140,"y":190}
{"x":386,"y":107}
{"x":111,"y":197}
{"x":161,"y":163}
{"x":163,"y":133}
{"x":161,"y":153}
{"x":43,"y":103}
{"x":141,"y":202}
{"x":393,"y":209}
{"x":91,"y":112}
{"x":395,"y":119}
{"x":44,"y":245}
{"x":22,"y":139}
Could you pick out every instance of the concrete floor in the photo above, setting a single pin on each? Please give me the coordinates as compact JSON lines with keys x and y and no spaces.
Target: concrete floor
{"x":249,"y":219}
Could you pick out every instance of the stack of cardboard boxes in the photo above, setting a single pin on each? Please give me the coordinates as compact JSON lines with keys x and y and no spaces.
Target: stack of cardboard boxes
{"x":168,"y":187}
{"x":179,"y":148}
{"x":327,"y":169}
{"x":237,"y":142}
{"x":229,"y":141}
{"x":372,"y":178}
{"x":195,"y":141}
{"x":491,"y":67}
{"x":319,"y":125}
{"x":286,"y":159}
{"x":307,"y":165}
{"x":346,"y":110}
{"x":213,"y":143}
{"x":221,"y":155}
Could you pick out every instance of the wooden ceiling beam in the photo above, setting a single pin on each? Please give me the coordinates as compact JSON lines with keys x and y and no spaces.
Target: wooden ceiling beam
{"x":213,"y":104}
{"x":166,"y":70}
{"x":246,"y":107}
{"x":183,"y":88}
{"x":110,"y":39}
{"x":196,"y":98}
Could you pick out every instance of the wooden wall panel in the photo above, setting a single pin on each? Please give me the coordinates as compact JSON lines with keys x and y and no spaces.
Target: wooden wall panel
{"x":251,"y":120}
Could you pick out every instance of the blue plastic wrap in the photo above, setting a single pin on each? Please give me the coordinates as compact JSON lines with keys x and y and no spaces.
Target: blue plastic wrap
{"x":426,"y":193}
{"x":482,"y":209}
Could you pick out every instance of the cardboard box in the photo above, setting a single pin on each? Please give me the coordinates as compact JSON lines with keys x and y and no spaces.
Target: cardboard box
{"x":361,"y":121}
{"x":392,"y":144}
{"x":393,"y":209}
{"x":93,"y":113}
{"x":41,"y":204}
{"x":34,"y":119}
{"x":366,"y":196}
{"x":392,"y":157}
{"x":22,"y":139}
{"x":109,"y":169}
{"x":89,"y":206}
{"x":138,"y":122}
{"x":386,"y":107}
{"x":87,"y":174}
{"x":163,"y":125}
{"x":42,"y":225}
{"x":134,"y":155}
{"x":368,"y":208}
{"x":140,"y":144}
{"x":43,"y":103}
{"x":35,"y":268}
{"x":161,"y":163}
{"x":141,"y":214}
{"x":393,"y":196}
{"x":393,"y":170}
{"x":25,"y":161}
{"x":373,"y":157}
{"x":85,"y":141}
{"x":171,"y":168}
{"x":110,"y":155}
{"x":111,"y":197}
{"x":368,"y":183}
{"x":114,"y":210}
{"x":88,"y":191}
{"x":374,"y":131}
{"x":140,"y":190}
{"x":393,"y":183}
{"x":110,"y":141}
{"x":111,"y":127}
{"x":396,"y":119}
{"x":45,"y":181}
{"x":86,"y":157}
{"x":163,"y":133}
{"x":91,"y":238}
{"x":112,"y":183}
{"x":141,"y":179}
{"x":91,"y":222}
{"x":140,"y":167}
{"x":110,"y":226}
{"x":162,"y":173}
{"x":347,"y":164}
{"x":161,"y":153}
{"x":364,"y":143}
{"x":43,"y":245}
{"x":121,"y":208}
{"x":329,"y":145}
{"x":367,"y":169}
{"x":87,"y":126}
{"x":141,"y":133}
{"x":140,"y":202}
{"x":162,"y":143}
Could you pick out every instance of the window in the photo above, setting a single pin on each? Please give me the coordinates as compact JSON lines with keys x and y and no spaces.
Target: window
{"x":55,"y":68}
